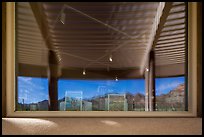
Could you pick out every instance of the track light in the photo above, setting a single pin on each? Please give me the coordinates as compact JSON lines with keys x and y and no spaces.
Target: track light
{"x":58,"y":55}
{"x":110,"y":58}
{"x":84,"y":72}
{"x":62,"y":17}
{"x":147,"y":69}
{"x":116,"y":78}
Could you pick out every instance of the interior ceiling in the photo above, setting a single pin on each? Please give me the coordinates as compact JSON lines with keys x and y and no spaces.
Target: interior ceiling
{"x":94,"y":31}
{"x":31,"y":48}
{"x":170,"y":48}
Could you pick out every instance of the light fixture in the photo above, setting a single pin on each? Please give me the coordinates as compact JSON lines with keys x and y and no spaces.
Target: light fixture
{"x":60,"y":58}
{"x":58,"y":55}
{"x":116,"y":78}
{"x":62,"y":17}
{"x":84,"y":72}
{"x":110,"y":58}
{"x":147,"y":69}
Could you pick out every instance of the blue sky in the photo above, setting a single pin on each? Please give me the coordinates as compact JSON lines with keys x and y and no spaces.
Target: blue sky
{"x":92,"y":88}
{"x":164,"y":85}
{"x":36,"y":89}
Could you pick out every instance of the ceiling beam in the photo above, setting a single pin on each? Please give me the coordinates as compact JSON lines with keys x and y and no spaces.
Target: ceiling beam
{"x":53,"y":56}
{"x":177,"y":24}
{"x":177,"y":29}
{"x":164,"y":56}
{"x":171,"y":51}
{"x":171,"y":38}
{"x":169,"y":61}
{"x":163,"y":11}
{"x":172,"y":35}
{"x":40,"y":18}
{"x":170,"y":47}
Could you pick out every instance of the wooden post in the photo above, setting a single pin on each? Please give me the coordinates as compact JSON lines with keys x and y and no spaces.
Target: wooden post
{"x":53,"y":81}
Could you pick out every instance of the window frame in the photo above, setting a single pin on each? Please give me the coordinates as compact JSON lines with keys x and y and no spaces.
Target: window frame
{"x":10,"y":77}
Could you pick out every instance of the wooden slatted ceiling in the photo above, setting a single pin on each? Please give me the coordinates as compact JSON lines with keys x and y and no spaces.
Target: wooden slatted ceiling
{"x":83,"y":42}
{"x":82,"y":37}
{"x":170,"y":48}
{"x":31,"y":48}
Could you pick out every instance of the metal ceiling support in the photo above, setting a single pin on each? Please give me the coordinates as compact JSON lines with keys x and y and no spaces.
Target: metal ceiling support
{"x":151,"y":83}
{"x":150,"y":96}
{"x":160,"y":19}
{"x":147,"y":86}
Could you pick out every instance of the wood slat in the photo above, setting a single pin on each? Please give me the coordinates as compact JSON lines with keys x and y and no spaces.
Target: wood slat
{"x":171,"y":53}
{"x":172,"y":37}
{"x":170,"y":41}
{"x":170,"y":47}
{"x":171,"y":44}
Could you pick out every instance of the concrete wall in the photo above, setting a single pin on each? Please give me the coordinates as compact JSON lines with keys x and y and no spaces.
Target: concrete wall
{"x":102,"y":126}
{"x":3,"y":59}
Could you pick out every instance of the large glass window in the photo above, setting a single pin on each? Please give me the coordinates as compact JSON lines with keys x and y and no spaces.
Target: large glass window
{"x":101,"y":56}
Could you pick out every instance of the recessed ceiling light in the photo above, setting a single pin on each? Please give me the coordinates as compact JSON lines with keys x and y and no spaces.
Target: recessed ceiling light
{"x":84,"y":72}
{"x":116,"y":78}
{"x":110,"y":58}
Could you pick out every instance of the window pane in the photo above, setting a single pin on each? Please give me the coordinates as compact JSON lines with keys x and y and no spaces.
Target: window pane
{"x":101,"y":95}
{"x":170,"y":94}
{"x":32,"y":94}
{"x":171,"y":61}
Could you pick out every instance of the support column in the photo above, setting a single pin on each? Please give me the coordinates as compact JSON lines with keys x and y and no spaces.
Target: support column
{"x":53,"y":81}
{"x":152,"y":95}
{"x":147,"y":86}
